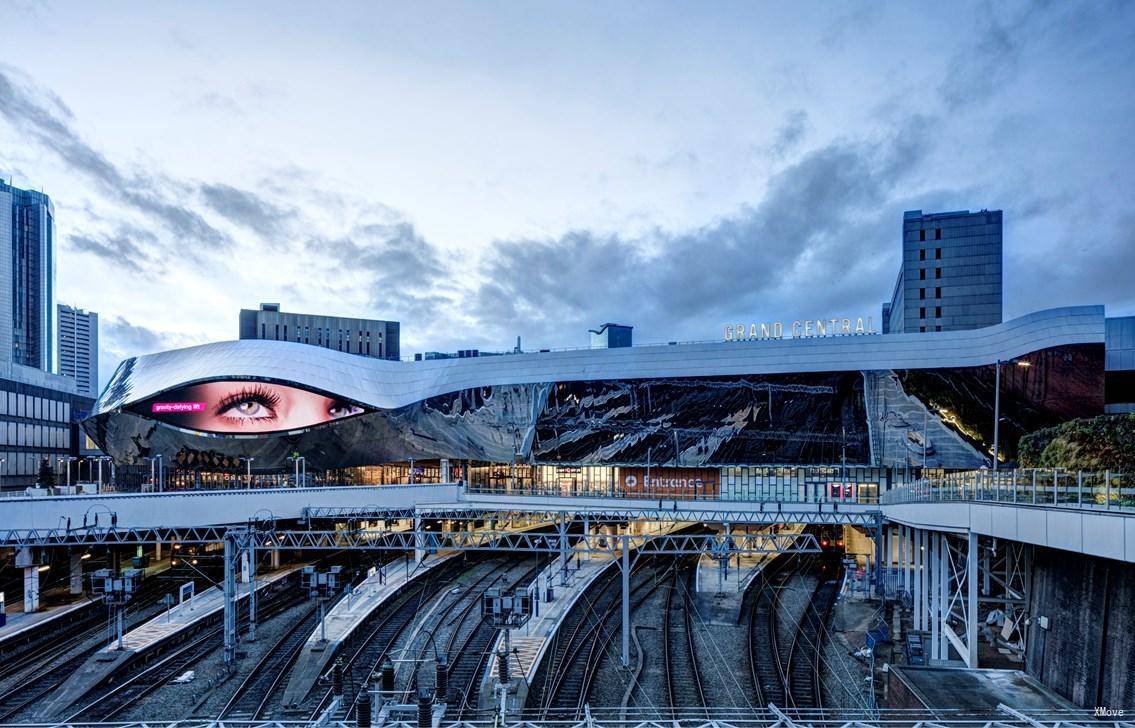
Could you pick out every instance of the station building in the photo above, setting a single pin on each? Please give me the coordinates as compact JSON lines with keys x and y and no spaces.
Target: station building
{"x":784,"y":410}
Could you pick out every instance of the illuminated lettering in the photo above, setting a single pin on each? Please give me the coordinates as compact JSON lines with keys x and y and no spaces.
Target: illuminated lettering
{"x":859,"y":326}
{"x":795,"y":329}
{"x":845,"y":327}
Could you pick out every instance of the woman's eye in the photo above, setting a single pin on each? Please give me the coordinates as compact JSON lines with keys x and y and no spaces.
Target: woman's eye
{"x":249,"y":409}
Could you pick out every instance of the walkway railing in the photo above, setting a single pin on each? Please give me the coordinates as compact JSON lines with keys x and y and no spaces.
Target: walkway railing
{"x":1095,"y":490}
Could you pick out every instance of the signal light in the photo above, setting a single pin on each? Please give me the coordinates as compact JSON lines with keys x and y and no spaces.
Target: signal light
{"x":824,"y":542}
{"x":839,"y":542}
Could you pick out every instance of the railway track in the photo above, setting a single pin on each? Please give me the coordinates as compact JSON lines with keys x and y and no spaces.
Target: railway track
{"x":577,"y":660}
{"x":47,"y":668}
{"x":257,"y":688}
{"x":683,"y":678}
{"x":805,"y":657}
{"x":467,"y":651}
{"x":113,"y":700}
{"x":379,"y":641}
{"x":764,"y":662}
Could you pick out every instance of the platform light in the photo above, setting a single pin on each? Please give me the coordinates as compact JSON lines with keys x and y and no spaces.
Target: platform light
{"x":85,"y":556}
{"x":45,"y":567}
{"x":1024,"y":363}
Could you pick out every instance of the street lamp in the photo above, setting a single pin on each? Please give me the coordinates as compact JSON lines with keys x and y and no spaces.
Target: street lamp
{"x":298,"y":459}
{"x":997,"y":407}
{"x":248,"y":461}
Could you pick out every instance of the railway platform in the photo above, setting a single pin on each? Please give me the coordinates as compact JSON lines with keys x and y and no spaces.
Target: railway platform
{"x":19,"y":622}
{"x":348,"y":614}
{"x":146,"y":637}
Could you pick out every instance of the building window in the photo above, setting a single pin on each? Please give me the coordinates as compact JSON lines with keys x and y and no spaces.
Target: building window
{"x":922,"y":313}
{"x":937,"y":272}
{"x":938,"y":292}
{"x":937,"y":328}
{"x":277,"y":332}
{"x":922,"y":329}
{"x":263,"y":334}
{"x":285,"y":332}
{"x":937,"y":254}
{"x":937,"y":233}
{"x":922,"y":254}
{"x":921,"y":274}
{"x":921,"y":293}
{"x":922,"y":235}
{"x":937,"y":312}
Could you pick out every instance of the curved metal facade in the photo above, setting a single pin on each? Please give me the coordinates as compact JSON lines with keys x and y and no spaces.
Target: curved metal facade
{"x":775,"y":401}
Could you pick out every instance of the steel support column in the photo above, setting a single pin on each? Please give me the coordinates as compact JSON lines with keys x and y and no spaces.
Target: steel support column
{"x":626,"y":578}
{"x":251,"y":551}
{"x":230,"y":599}
{"x":971,"y":599}
{"x":932,"y":561}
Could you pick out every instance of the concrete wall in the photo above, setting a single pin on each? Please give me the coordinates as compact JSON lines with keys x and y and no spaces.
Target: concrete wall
{"x":1088,"y":653}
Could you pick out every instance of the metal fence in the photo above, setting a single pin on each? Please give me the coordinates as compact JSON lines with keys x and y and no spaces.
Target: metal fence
{"x":1097,"y":490}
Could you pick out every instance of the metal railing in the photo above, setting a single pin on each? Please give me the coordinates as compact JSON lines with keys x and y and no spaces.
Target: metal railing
{"x":1097,"y":490}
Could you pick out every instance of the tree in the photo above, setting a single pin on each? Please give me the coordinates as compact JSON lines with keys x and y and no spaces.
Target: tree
{"x":46,"y":474}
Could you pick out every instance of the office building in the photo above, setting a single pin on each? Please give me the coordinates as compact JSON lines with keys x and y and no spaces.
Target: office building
{"x":39,"y":410}
{"x":364,"y":337}
{"x":27,"y":276}
{"x":950,"y":277}
{"x":611,"y":336}
{"x":78,"y":348}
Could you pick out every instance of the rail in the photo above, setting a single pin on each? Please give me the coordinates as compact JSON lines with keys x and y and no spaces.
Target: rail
{"x":1093,"y":490}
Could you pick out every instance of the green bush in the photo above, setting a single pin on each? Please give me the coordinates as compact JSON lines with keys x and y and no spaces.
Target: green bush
{"x":1106,"y":442}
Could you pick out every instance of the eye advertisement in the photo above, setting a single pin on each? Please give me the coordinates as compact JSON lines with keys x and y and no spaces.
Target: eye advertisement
{"x":241,"y":407}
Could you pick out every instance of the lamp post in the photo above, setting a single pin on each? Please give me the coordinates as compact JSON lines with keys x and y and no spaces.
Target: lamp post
{"x":100,"y":458}
{"x":161,"y":473}
{"x":248,"y":463}
{"x":298,"y":460}
{"x":997,"y":408}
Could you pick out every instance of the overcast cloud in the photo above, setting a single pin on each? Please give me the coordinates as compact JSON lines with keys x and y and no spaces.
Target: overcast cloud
{"x":481,"y":172}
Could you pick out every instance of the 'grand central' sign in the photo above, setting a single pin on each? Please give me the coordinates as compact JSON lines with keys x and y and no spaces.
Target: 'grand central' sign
{"x":800,"y":329}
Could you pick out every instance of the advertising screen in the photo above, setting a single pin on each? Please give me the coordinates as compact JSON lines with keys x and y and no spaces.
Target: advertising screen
{"x":246,"y":407}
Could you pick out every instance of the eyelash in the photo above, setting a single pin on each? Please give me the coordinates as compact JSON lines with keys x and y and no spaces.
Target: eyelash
{"x":258,"y":394}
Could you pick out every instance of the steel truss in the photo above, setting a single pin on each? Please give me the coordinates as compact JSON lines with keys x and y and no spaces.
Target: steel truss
{"x":1004,"y":718}
{"x":953,"y":580}
{"x":673,"y":510}
{"x":238,"y":541}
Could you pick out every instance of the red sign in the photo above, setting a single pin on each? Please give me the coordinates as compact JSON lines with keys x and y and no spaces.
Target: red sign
{"x":671,"y":482}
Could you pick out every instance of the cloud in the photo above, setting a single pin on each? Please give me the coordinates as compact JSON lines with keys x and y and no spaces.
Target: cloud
{"x":247,"y":209}
{"x":45,"y":118}
{"x":819,"y":226}
{"x":791,"y":133}
{"x":120,"y":248}
{"x":406,"y":273}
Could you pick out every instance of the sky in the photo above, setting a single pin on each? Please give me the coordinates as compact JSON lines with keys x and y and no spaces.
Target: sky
{"x":482,"y":171}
